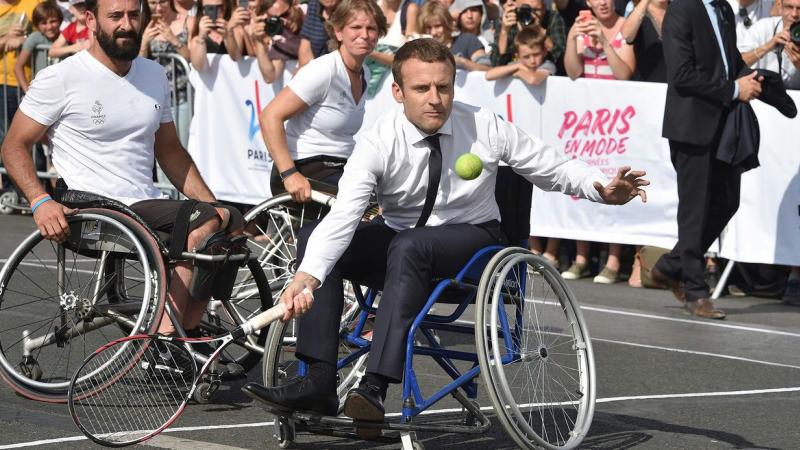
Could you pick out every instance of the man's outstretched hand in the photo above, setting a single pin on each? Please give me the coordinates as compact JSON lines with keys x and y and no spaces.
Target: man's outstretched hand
{"x":626,"y":186}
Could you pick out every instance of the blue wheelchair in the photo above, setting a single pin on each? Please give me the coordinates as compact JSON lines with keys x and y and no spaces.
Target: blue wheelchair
{"x":532,"y":353}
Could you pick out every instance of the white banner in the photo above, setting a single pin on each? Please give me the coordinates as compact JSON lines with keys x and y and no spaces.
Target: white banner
{"x":225,"y":137}
{"x":766,"y":229}
{"x":606,"y":123}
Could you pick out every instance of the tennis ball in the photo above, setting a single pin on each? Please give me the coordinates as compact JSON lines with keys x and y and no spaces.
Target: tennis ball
{"x":468,"y":166}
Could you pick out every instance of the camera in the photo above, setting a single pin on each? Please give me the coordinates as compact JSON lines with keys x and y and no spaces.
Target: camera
{"x":794,"y":33}
{"x":274,"y":25}
{"x":525,"y":15}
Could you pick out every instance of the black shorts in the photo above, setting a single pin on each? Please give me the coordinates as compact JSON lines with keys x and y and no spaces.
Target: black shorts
{"x":323,"y":168}
{"x":161,"y":214}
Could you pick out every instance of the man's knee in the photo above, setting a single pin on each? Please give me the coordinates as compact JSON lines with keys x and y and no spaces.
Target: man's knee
{"x":206,"y":228}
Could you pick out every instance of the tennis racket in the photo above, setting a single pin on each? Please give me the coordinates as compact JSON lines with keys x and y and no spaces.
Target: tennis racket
{"x":133,"y":388}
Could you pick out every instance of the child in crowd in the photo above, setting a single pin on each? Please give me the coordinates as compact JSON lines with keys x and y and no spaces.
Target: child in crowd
{"x":530,"y":65}
{"x":75,"y":36}
{"x":46,"y":20}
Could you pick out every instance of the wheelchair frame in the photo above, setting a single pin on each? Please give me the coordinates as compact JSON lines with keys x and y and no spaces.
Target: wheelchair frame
{"x":155,"y":260}
{"x":414,"y":403}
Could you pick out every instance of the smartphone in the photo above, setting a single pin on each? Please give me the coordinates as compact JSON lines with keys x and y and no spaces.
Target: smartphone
{"x":211,"y":11}
{"x":584,"y":15}
{"x":243,"y":3}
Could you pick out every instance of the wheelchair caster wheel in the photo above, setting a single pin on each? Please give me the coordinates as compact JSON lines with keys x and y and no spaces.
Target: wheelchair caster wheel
{"x":204,"y":392}
{"x":284,"y":432}
{"x":8,"y":201}
{"x":30,"y":368}
{"x":409,"y":441}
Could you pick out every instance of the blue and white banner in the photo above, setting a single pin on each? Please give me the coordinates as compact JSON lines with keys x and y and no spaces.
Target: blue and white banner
{"x":606,"y":123}
{"x":225,"y":137}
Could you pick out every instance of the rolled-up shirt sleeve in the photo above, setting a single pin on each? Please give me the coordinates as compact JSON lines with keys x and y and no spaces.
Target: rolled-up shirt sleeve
{"x":545,"y":167}
{"x":333,"y":235}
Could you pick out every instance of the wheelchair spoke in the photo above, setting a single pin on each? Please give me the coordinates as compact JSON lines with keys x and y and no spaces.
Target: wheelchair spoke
{"x":14,"y":343}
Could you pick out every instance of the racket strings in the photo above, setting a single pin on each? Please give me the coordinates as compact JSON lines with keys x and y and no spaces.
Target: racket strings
{"x":132,"y":389}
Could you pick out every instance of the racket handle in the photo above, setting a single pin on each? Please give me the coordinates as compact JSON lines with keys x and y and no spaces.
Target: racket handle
{"x":265,"y":318}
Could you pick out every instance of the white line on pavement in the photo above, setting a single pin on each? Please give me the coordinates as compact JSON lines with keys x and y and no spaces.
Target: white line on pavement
{"x":691,"y":321}
{"x":693,"y":352}
{"x":438,"y":411}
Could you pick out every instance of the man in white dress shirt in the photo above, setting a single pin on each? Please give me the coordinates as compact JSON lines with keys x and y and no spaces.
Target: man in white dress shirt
{"x":432,"y":223}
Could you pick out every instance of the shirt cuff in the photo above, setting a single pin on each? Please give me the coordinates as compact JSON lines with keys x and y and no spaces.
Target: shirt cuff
{"x":316,"y":270}
{"x":591,"y":192}
{"x":735,"y":90}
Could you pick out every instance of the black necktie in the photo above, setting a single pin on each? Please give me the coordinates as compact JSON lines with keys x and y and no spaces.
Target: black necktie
{"x":434,"y":176}
{"x":717,"y":4}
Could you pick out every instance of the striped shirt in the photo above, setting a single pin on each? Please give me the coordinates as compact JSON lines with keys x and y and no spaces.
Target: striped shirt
{"x":595,"y":62}
{"x":314,"y":29}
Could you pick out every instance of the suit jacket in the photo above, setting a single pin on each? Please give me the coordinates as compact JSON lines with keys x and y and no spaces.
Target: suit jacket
{"x":698,"y":93}
{"x":740,"y":139}
{"x":741,"y":135}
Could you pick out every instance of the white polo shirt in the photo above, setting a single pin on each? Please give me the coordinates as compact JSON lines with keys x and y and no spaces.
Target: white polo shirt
{"x":102,"y":125}
{"x":332,"y":118}
{"x":392,"y":159}
{"x":761,"y":33}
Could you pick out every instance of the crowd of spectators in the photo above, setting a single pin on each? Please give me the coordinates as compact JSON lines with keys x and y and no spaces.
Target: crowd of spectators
{"x":524,"y":39}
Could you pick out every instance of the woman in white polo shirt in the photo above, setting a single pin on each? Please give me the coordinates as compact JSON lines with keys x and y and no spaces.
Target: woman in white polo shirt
{"x":323,"y":105}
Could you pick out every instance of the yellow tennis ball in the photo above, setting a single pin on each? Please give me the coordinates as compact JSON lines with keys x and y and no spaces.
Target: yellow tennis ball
{"x":468,"y":166}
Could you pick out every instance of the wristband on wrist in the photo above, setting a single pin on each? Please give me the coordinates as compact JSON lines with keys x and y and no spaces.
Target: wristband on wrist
{"x":288,"y":172}
{"x":41,"y":200}
{"x":39,"y":197}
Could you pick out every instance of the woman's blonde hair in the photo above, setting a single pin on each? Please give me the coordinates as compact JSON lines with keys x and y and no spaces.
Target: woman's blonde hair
{"x":431,"y":11}
{"x":345,"y":11}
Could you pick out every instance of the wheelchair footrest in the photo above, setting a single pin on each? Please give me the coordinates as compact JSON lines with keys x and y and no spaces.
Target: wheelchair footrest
{"x":318,"y":424}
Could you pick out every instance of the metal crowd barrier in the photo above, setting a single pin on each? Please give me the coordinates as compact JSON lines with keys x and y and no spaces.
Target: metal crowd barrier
{"x":182,"y":105}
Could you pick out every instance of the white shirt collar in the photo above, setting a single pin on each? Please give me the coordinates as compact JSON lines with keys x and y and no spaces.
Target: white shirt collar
{"x":414,"y":135}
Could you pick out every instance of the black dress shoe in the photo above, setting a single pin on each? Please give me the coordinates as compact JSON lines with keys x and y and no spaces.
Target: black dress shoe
{"x":298,"y":395}
{"x":364,"y":403}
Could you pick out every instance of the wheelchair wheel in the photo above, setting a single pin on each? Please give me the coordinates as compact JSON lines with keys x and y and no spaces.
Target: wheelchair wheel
{"x":272,"y":236}
{"x":251,"y":295}
{"x":272,"y":232}
{"x":281,"y":366}
{"x":534,"y":352}
{"x":59,"y":302}
{"x":9,"y":202}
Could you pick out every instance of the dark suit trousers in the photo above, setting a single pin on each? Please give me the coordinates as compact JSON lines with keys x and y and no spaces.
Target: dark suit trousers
{"x":404,"y":264}
{"x":708,"y":196}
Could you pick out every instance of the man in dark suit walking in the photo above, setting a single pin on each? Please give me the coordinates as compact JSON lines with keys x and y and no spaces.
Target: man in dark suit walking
{"x":705,"y":76}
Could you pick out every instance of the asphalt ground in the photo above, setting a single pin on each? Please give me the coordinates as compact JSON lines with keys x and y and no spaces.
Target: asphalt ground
{"x":664,"y":380}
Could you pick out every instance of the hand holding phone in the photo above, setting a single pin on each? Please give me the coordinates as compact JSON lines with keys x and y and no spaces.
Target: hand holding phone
{"x":584,"y":15}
